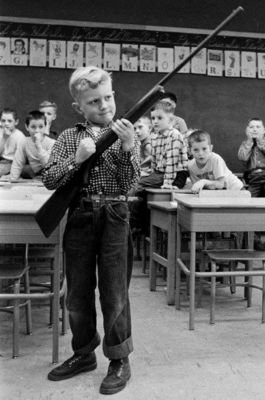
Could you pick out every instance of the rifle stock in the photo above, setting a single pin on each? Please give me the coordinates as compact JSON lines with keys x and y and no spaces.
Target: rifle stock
{"x":51,"y":213}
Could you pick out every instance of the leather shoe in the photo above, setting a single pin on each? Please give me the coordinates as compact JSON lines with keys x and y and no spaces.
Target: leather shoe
{"x":118,"y":374}
{"x":73,"y":366}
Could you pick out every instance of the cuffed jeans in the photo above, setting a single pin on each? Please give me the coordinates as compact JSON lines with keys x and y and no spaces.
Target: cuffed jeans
{"x":98,"y":234}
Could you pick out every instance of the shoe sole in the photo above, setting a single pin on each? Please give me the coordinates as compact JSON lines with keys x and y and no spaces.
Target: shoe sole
{"x":114,"y":390}
{"x":86,"y":368}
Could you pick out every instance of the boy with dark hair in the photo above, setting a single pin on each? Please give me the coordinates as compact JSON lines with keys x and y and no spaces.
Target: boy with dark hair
{"x":35,"y":149}
{"x":207,"y":169}
{"x":252,"y":153}
{"x":142,"y":128}
{"x":97,"y":241}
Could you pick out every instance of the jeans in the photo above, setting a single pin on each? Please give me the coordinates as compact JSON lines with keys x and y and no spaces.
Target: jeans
{"x":98,"y":235}
{"x":257,"y":184}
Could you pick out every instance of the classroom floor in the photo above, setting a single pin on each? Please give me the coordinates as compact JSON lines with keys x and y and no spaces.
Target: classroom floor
{"x":223,"y":361}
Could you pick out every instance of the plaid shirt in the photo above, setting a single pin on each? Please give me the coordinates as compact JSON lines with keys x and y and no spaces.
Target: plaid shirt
{"x":113,"y":171}
{"x":169,"y":154}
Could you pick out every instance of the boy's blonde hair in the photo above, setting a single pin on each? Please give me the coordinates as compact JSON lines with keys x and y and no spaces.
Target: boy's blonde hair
{"x":165,"y":106}
{"x":47,"y":103}
{"x":145,"y":119}
{"x":84,"y":78}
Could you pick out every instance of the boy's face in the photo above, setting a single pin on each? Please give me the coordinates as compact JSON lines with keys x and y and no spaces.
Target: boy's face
{"x":97,"y":105}
{"x":201,"y":151}
{"x":161,"y":120}
{"x":36,"y":126}
{"x":256,"y":129}
{"x":49,"y":113}
{"x":8,"y":123}
{"x":142,"y":129}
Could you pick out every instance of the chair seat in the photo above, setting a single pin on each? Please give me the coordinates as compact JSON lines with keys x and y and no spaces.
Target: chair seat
{"x":239,"y":255}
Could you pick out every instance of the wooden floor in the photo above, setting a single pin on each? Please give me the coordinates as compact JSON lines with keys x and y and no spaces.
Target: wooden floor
{"x":225,"y":361}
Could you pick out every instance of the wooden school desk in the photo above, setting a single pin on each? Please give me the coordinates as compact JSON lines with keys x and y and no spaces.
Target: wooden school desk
{"x":163,"y":215}
{"x":214,"y":215}
{"x":17,"y":225}
{"x":163,"y":194}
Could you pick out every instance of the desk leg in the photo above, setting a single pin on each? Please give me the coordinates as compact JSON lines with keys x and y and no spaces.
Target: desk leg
{"x":56,"y":305}
{"x":178,"y":270}
{"x":171,"y":261}
{"x":249,"y":245}
{"x":192,"y":278}
{"x":152,"y":263}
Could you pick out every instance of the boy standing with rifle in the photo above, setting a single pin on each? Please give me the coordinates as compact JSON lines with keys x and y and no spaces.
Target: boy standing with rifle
{"x":97,"y":231}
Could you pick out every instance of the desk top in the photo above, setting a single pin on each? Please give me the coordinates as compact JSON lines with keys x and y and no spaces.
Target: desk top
{"x":224,"y":202}
{"x":28,"y":204}
{"x":23,"y":182}
{"x":158,"y":190}
{"x":163,"y":205}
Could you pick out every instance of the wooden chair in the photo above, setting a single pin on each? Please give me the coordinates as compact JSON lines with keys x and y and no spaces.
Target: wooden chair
{"x":236,"y":255}
{"x":12,"y":272}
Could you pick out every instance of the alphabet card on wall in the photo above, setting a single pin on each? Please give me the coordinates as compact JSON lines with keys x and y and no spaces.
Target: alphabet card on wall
{"x":165,"y":59}
{"x":215,"y":63}
{"x":94,"y":54}
{"x":181,"y":53}
{"x":129,"y":57}
{"x":19,"y":52}
{"x":38,"y":51}
{"x":57,"y":54}
{"x":198,"y":62}
{"x":248,"y":64}
{"x":147,"y":58}
{"x":261,"y":65}
{"x":112,"y":56}
{"x":232,"y":63}
{"x":75,"y":52}
{"x":4,"y":51}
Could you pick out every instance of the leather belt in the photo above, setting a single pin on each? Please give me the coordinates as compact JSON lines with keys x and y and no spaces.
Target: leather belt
{"x":106,"y":197}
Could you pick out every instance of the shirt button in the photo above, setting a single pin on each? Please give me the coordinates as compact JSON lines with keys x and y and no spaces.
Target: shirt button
{"x":96,"y":169}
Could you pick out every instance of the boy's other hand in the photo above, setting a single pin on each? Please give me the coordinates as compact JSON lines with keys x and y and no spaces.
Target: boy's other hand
{"x":125,"y":132}
{"x":6,"y":132}
{"x":86,"y":148}
{"x":249,"y":136}
{"x":198,"y":186}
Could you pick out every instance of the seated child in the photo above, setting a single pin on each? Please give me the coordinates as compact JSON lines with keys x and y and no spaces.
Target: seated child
{"x":36,"y":149}
{"x":50,"y":111}
{"x":10,"y":137}
{"x":179,"y":122}
{"x":207,"y":169}
{"x":143,"y":128}
{"x":252,"y":153}
{"x":168,"y":163}
{"x":169,"y":153}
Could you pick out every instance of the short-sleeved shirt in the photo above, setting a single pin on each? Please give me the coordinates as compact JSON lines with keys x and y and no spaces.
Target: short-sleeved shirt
{"x":214,"y":169}
{"x":9,"y":146}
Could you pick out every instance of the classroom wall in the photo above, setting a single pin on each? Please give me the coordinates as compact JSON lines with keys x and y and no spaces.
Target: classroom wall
{"x":220,"y":105}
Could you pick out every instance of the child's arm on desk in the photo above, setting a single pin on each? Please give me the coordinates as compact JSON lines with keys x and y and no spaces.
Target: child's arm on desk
{"x":205,"y":183}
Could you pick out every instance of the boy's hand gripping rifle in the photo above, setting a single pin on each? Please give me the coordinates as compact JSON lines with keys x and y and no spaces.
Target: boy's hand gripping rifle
{"x":52,"y":211}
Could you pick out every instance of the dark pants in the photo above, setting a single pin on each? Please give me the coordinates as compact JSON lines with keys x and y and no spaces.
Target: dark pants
{"x":256,"y":183}
{"x":98,"y":234}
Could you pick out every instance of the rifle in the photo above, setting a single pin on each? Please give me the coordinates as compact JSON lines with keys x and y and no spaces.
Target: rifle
{"x":53,"y":210}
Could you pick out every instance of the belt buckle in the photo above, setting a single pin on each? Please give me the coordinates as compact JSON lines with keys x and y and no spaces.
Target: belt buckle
{"x":95,"y":197}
